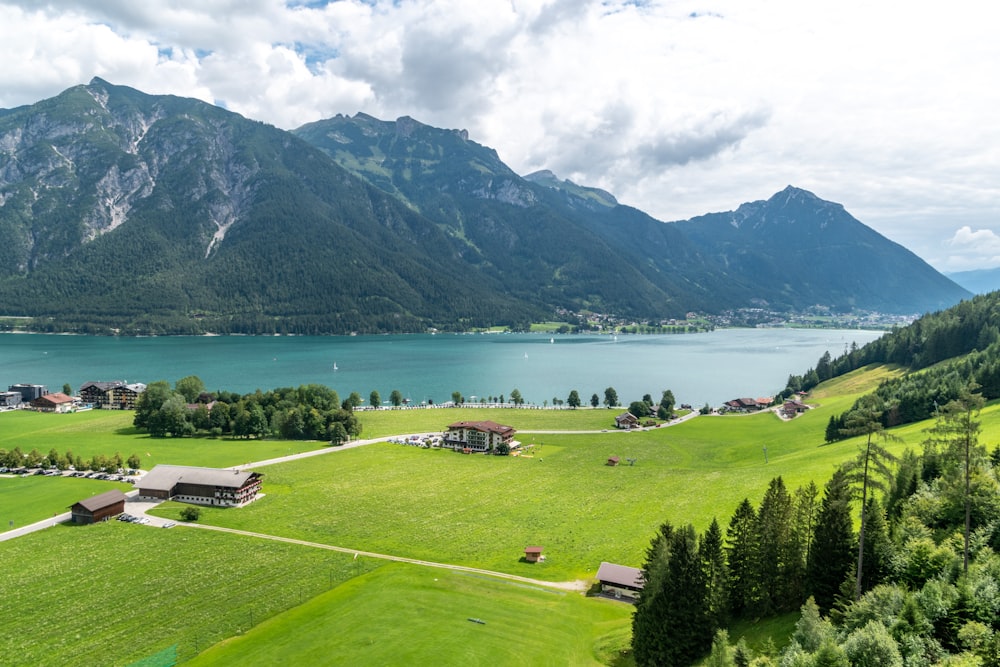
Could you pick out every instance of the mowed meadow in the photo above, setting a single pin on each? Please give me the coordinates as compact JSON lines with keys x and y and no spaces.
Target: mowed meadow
{"x":418,"y":503}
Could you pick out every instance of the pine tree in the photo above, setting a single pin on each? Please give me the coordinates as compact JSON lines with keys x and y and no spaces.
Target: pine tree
{"x":774,"y":535}
{"x":878,"y":547}
{"x":716,"y":573}
{"x":870,"y":469}
{"x":648,"y":621}
{"x":687,"y":624}
{"x":832,"y":554}
{"x":742,"y":556}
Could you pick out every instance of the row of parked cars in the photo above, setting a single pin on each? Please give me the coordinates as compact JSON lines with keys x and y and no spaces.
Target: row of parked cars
{"x":129,"y":476}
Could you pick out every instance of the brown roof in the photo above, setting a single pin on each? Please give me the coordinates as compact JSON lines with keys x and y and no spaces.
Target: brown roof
{"x":621,"y":575}
{"x":57,"y":398}
{"x":532,"y":550}
{"x":102,"y":500}
{"x":484,"y":426}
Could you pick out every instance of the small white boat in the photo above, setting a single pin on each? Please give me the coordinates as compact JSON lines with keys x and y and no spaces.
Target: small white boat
{"x":335,"y":365}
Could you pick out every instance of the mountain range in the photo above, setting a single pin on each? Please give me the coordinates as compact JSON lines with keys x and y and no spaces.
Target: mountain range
{"x":122,"y":211}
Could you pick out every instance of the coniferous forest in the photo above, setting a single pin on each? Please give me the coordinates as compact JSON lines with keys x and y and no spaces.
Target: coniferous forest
{"x":894,"y":562}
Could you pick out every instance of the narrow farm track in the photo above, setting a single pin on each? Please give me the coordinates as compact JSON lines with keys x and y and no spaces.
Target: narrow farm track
{"x":578,"y":585}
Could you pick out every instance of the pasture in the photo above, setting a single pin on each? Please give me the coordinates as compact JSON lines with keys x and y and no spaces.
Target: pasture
{"x":24,"y":500}
{"x":482,"y":511}
{"x":403,"y":614}
{"x":109,"y":431}
{"x":113,"y":593}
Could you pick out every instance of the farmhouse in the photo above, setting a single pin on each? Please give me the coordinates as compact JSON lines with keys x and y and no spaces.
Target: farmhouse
{"x":746,"y":404}
{"x":98,"y":508}
{"x":57,"y":402}
{"x":793,"y":408}
{"x":620,"y":581}
{"x":481,"y":436}
{"x":202,"y":486}
{"x":626,"y":420}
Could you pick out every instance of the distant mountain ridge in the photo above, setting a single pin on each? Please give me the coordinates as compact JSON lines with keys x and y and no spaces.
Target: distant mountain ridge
{"x":978,"y":281}
{"x":159,"y":214}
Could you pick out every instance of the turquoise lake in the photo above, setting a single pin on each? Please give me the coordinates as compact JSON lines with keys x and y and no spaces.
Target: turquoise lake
{"x":699,"y":368}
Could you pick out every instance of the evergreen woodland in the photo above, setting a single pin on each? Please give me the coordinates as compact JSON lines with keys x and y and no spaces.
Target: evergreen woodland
{"x":896,"y":563}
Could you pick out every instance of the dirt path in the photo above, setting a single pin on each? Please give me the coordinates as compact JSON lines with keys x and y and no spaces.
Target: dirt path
{"x":578,"y":585}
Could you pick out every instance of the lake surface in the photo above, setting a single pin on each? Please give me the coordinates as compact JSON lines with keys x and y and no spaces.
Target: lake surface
{"x":699,"y":368}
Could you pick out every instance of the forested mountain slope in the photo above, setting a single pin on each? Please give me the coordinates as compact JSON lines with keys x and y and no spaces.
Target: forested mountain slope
{"x":121,"y":211}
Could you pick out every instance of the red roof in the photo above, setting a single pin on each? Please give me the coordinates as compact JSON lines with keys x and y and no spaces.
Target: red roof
{"x":532,"y":550}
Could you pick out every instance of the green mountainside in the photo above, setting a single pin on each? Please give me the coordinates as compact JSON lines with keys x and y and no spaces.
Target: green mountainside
{"x":158,"y":214}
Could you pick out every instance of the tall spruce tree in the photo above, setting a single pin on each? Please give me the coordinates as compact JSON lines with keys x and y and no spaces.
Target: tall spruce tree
{"x":832,"y":554}
{"x":716,"y":573}
{"x":878,"y":547}
{"x":742,"y":556}
{"x":774,"y":538}
{"x":687,"y":625}
{"x":649,"y":620}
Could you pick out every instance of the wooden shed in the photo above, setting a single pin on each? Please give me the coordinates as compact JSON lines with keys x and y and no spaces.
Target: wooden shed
{"x":98,"y":508}
{"x":613,"y":461}
{"x":533,"y":554}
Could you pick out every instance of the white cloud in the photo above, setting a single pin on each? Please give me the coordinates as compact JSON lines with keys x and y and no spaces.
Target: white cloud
{"x":972,"y":249}
{"x":679,"y":107}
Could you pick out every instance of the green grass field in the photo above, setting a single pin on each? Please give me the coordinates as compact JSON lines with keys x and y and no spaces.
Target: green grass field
{"x":113,"y":593}
{"x":407,"y":615}
{"x":24,"y":500}
{"x":130,"y":581}
{"x":482,"y":511}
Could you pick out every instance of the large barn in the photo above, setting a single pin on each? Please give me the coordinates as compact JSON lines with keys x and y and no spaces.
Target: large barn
{"x":98,"y":508}
{"x":203,"y":486}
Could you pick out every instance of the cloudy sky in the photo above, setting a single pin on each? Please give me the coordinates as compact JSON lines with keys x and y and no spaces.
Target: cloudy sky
{"x":679,"y":108}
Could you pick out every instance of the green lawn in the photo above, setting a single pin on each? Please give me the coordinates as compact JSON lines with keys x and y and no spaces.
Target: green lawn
{"x":25,"y":500}
{"x":113,"y":593}
{"x":482,"y":511}
{"x":407,"y":615}
{"x":109,"y":431}
{"x":185,"y":589}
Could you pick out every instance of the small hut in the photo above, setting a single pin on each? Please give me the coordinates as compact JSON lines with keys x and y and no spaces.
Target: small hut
{"x":533,"y":554}
{"x":613,"y":461}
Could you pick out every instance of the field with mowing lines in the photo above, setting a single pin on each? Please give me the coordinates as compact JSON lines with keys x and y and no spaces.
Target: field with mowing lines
{"x":407,"y":615}
{"x":113,"y":592}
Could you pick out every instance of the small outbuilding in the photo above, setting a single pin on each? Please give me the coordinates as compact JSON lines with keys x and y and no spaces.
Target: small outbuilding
{"x":620,"y":581}
{"x":98,"y":508}
{"x":613,"y":461}
{"x":533,"y":554}
{"x":57,"y":402}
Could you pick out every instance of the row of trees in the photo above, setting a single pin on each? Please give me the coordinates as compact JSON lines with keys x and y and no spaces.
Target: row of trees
{"x":15,"y":458}
{"x":915,"y":584}
{"x":308,"y":412}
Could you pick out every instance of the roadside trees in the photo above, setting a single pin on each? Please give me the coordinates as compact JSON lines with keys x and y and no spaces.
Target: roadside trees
{"x":595,"y":400}
{"x":515,"y":397}
{"x":374,"y":399}
{"x":456,"y":397}
{"x":573,"y":400}
{"x":396,"y":398}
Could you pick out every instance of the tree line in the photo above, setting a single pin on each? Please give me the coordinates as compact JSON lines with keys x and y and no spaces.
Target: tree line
{"x":942,"y":354}
{"x":914,"y":584}
{"x":308,"y":412}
